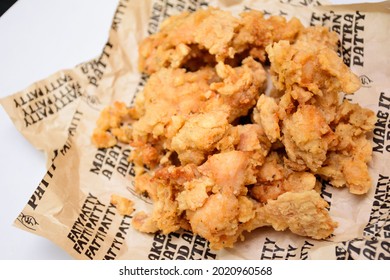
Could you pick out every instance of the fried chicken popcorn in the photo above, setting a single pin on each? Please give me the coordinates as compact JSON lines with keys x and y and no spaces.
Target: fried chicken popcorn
{"x":224,"y":158}
{"x":213,"y":35}
{"x":123,"y":205}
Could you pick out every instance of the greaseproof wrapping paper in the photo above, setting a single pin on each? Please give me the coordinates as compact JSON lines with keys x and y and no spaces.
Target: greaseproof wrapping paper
{"x":71,"y":205}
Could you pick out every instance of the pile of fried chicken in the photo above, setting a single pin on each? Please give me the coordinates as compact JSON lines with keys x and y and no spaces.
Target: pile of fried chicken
{"x":226,"y":152}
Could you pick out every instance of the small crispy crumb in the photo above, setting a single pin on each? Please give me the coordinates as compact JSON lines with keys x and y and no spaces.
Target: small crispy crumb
{"x":123,"y":205}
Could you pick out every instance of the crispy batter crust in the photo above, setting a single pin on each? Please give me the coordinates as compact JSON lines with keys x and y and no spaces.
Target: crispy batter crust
{"x":223,"y":157}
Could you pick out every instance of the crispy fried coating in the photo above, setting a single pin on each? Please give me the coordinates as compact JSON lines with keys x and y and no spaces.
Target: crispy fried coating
{"x":224,"y":158}
{"x":318,"y":132}
{"x":199,"y":136}
{"x":257,"y":32}
{"x":184,"y":37}
{"x":168,"y":98}
{"x":213,"y":199}
{"x":266,"y":113}
{"x":111,"y":118}
{"x":274,"y":178}
{"x":216,"y":204}
{"x":309,"y":73}
{"x":143,"y":223}
{"x":189,"y":112}
{"x":212,"y":36}
{"x":318,"y":35}
{"x":304,"y":213}
{"x":124,"y":205}
{"x":307,"y":137}
{"x":347,"y":164}
{"x":144,"y":185}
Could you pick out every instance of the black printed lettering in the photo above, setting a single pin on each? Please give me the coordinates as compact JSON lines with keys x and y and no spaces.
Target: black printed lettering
{"x":40,"y":190}
{"x":272,"y":250}
{"x":118,"y":15}
{"x":168,"y":247}
{"x":384,"y":101}
{"x":305,"y":249}
{"x":376,"y":225}
{"x":183,"y":252}
{"x":94,"y":70}
{"x":381,"y":131}
{"x":91,"y":227}
{"x":46,"y":101}
{"x":291,"y":252}
{"x":106,"y":162}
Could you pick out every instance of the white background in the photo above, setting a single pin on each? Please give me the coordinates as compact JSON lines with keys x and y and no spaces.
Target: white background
{"x":38,"y":38}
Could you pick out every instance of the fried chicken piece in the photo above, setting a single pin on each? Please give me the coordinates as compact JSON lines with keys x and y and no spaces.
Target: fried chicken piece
{"x":319,"y":35}
{"x":167,"y":94}
{"x":167,"y":47}
{"x":224,"y":218}
{"x":256,"y":32}
{"x":266,"y":113}
{"x":215,"y":33}
{"x":148,"y":154}
{"x":199,"y":136}
{"x":189,"y":112}
{"x":343,"y":171}
{"x":217,"y":220}
{"x":109,"y":119}
{"x":195,"y":36}
{"x":274,"y":179}
{"x":327,"y":104}
{"x":210,"y":199}
{"x":252,"y":138}
{"x":308,"y":69}
{"x":103,"y":139}
{"x":123,"y":205}
{"x":194,"y":193}
{"x":169,"y":98}
{"x":360,"y":119}
{"x":263,"y":192}
{"x":311,"y":73}
{"x":177,"y":175}
{"x":227,"y":213}
{"x":347,"y":165}
{"x":254,"y":142}
{"x":219,"y":216}
{"x":249,"y":138}
{"x":143,"y":223}
{"x":167,"y":184}
{"x":307,"y":137}
{"x":229,"y":170}
{"x":304,"y":213}
{"x":144,"y":185}
{"x":166,"y":213}
{"x":182,"y":36}
{"x":239,"y":89}
{"x":271,"y":170}
{"x":300,"y":181}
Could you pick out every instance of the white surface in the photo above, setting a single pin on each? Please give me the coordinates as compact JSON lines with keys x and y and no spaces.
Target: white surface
{"x":32,"y":35}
